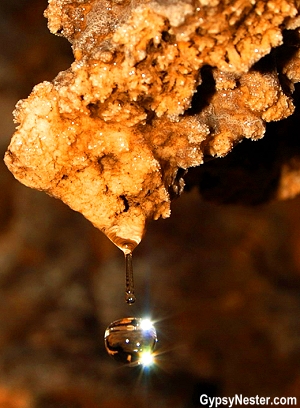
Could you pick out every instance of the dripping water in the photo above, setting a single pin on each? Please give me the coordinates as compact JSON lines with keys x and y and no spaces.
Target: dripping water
{"x":131,"y":340}
{"x":129,"y":283}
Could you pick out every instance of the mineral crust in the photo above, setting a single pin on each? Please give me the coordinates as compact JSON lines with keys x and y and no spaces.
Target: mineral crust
{"x":156,"y":88}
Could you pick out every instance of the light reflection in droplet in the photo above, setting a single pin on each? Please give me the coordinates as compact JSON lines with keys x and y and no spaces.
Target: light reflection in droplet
{"x":131,"y":341}
{"x":146,"y":324}
{"x":146,"y":359}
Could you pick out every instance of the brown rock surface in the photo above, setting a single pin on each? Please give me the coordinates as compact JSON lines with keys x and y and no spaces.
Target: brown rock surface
{"x":109,"y":135}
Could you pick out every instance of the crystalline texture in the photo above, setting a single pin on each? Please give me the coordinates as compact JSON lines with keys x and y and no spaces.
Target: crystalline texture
{"x":111,"y":135}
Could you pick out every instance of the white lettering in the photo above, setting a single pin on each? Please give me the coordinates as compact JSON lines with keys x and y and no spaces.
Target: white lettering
{"x":231,"y":402}
{"x":215,"y":402}
{"x":225,"y":400}
{"x":211,"y":401}
{"x":203,"y":399}
{"x":218,"y":401}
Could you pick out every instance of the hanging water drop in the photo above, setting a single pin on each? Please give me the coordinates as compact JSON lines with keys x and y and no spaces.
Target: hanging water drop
{"x":131,"y":341}
{"x":129,"y":291}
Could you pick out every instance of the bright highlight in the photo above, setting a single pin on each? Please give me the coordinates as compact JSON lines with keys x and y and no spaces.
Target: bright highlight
{"x":146,"y":359}
{"x":146,"y":324}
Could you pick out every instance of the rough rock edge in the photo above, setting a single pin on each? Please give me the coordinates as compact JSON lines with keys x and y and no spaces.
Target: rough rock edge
{"x":109,"y":136}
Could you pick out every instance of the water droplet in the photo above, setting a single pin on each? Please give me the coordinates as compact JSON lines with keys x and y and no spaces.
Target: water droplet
{"x":129,"y":291}
{"x":131,"y":341}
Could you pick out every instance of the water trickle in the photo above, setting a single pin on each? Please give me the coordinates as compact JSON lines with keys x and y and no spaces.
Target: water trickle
{"x":131,"y":341}
{"x":129,"y":291}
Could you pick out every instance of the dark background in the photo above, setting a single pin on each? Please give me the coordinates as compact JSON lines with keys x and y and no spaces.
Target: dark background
{"x":222,"y":282}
